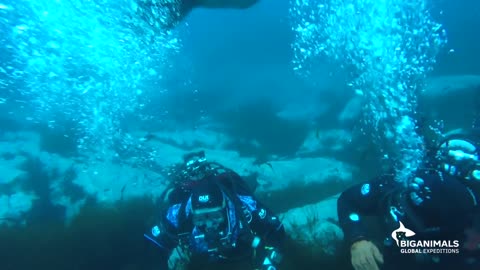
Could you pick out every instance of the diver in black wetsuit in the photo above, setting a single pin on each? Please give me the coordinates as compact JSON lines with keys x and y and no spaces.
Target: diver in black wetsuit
{"x":212,"y":217}
{"x":441,"y":203}
{"x":166,"y":14}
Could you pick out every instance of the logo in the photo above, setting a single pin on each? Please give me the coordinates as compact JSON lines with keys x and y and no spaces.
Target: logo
{"x":402,"y":237}
{"x":401,"y":233}
{"x":203,"y":198}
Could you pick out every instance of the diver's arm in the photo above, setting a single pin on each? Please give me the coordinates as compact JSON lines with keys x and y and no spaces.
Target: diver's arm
{"x":269,"y":237}
{"x":353,"y":205}
{"x":163,"y":235}
{"x":266,"y":224}
{"x":163,"y":240}
{"x":445,"y":201}
{"x":357,"y":202}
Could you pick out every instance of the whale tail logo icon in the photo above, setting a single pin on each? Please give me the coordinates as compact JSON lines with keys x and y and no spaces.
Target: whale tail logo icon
{"x":401,"y":233}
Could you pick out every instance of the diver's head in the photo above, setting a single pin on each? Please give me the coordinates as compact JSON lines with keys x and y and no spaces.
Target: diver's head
{"x":194,"y":166}
{"x":209,"y":207}
{"x":194,"y":159}
{"x":459,"y":155}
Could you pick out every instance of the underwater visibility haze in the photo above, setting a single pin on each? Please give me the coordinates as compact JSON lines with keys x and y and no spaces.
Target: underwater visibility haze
{"x":302,"y":98}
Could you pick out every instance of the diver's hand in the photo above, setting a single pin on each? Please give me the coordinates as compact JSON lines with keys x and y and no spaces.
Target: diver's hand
{"x":365,"y":255}
{"x":178,"y":260}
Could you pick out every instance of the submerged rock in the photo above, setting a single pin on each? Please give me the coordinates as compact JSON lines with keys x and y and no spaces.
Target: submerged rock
{"x":325,"y":142}
{"x":450,"y":102}
{"x":279,"y":175}
{"x":314,"y":226}
{"x":74,"y":181}
{"x":446,"y":85}
{"x":13,"y":206}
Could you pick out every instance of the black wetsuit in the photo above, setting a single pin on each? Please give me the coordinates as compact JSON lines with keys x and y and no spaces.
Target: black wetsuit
{"x":449,"y":208}
{"x":249,"y":221}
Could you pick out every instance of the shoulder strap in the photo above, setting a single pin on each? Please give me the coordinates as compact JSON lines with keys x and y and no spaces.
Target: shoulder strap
{"x":231,"y":193}
{"x":185,"y":224}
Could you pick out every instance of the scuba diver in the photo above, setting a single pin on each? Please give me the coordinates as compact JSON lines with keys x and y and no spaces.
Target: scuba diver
{"x":211,"y":216}
{"x":441,"y":204}
{"x":166,"y":14}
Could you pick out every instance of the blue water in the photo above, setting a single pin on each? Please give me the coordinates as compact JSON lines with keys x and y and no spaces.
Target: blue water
{"x":77,"y":73}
